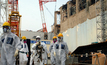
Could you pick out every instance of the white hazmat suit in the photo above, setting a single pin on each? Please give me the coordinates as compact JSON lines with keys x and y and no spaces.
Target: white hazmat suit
{"x":61,"y":50}
{"x":52,"y":50}
{"x":23,"y":53}
{"x":44,"y":54}
{"x":32,"y":56}
{"x":9,"y":42}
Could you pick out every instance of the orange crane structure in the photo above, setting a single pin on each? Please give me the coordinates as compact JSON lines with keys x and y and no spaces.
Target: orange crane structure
{"x":42,"y":12}
{"x":14,"y":17}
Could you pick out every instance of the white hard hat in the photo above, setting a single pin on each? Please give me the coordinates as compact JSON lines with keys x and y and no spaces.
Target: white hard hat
{"x":37,"y":36}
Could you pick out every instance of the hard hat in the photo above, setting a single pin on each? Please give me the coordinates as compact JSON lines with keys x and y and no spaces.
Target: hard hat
{"x":54,"y":37}
{"x":37,"y":36}
{"x":24,"y":37}
{"x":60,"y":35}
{"x":106,"y":40}
{"x":6,"y":24}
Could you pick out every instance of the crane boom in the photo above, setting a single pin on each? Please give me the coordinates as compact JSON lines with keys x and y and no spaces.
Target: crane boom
{"x":42,"y":13}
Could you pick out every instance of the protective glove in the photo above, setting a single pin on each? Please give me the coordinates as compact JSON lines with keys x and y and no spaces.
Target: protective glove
{"x":67,"y":56}
{"x":48,"y":54}
{"x":27,"y":55}
{"x":54,"y":54}
{"x":37,"y":43}
{"x":16,"y":53}
{"x":40,"y":47}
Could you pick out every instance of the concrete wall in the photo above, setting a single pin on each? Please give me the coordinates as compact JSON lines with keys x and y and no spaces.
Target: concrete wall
{"x":30,"y":34}
{"x":50,"y":36}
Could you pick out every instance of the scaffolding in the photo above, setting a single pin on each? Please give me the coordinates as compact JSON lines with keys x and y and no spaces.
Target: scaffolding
{"x":3,"y":12}
{"x":101,"y":22}
{"x":14,"y":17}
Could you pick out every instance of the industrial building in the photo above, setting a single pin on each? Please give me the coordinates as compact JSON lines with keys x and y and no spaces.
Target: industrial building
{"x":79,"y":20}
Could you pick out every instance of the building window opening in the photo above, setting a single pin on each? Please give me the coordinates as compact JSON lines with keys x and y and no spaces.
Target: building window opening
{"x":73,"y":2}
{"x":82,"y":4}
{"x":34,"y":37}
{"x":92,"y":2}
{"x":45,"y":37}
{"x":64,"y":11}
{"x":58,"y":31}
{"x":72,"y":10}
{"x":58,"y":18}
{"x":64,"y":7}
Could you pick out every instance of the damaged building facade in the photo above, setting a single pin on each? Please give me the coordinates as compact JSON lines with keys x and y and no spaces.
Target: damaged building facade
{"x":78,"y":22}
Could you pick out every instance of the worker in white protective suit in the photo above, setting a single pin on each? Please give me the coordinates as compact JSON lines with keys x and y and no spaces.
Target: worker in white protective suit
{"x":32,"y":56}
{"x":51,"y":50}
{"x":10,"y":44}
{"x":61,"y":50}
{"x":23,"y":53}
{"x":41,"y":52}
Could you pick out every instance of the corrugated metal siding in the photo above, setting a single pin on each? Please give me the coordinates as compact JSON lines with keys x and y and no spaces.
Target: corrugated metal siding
{"x":81,"y":34}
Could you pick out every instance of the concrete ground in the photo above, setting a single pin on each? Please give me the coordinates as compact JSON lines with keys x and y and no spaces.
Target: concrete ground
{"x":66,"y":64}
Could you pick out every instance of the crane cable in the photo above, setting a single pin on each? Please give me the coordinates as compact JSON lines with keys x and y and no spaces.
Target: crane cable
{"x":55,"y":5}
{"x":49,"y":11}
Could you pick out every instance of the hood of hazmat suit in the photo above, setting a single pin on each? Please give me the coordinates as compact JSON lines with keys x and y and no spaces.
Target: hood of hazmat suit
{"x":38,"y":38}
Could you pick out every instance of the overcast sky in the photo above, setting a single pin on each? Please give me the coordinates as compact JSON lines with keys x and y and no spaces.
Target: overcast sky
{"x":31,"y":19}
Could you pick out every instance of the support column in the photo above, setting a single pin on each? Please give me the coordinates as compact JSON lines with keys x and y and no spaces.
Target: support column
{"x":68,"y":9}
{"x":77,"y":6}
{"x":55,"y":21}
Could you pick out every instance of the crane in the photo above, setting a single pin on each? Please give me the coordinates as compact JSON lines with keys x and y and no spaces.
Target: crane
{"x":14,"y":17}
{"x":42,"y":13}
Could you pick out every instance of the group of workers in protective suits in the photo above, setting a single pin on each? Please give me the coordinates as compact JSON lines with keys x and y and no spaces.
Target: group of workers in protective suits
{"x":11,"y":46}
{"x":58,"y":51}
